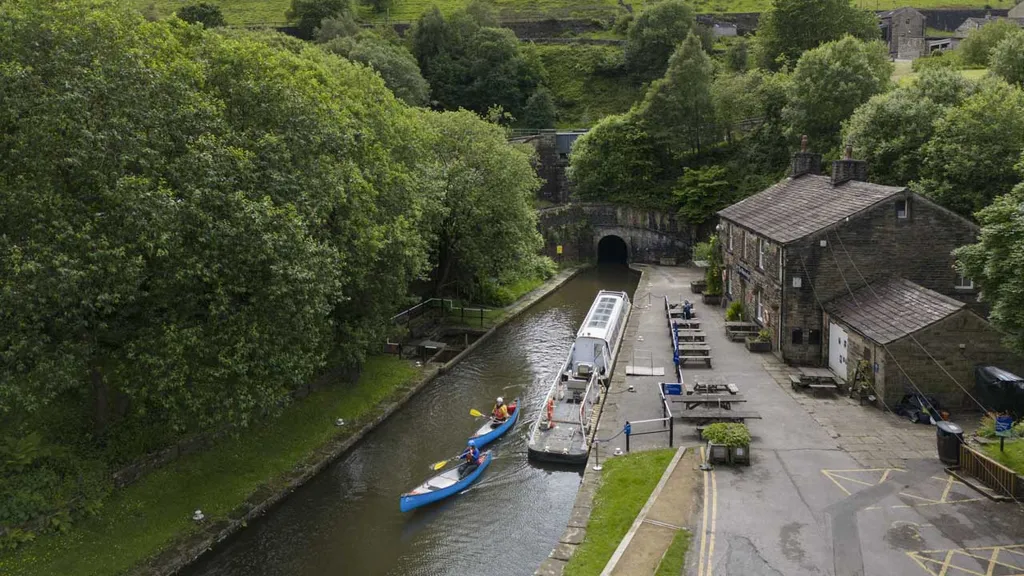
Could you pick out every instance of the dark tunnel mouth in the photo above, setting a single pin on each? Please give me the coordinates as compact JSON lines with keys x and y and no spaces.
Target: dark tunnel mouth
{"x":612,"y":249}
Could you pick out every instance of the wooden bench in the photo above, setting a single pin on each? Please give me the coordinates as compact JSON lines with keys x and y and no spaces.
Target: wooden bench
{"x":717,"y":415}
{"x":705,"y":359}
{"x":795,"y":381}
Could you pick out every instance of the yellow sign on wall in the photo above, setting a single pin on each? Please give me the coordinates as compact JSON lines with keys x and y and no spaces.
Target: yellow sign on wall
{"x":558,"y":249}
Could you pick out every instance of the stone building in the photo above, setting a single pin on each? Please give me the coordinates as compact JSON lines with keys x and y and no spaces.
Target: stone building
{"x":972,"y":24}
{"x":899,"y":329}
{"x":810,"y":238}
{"x":903,"y":31}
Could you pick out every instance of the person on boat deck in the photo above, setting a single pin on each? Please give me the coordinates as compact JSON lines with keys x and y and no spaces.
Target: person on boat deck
{"x":471,"y":455}
{"x":500,"y":412}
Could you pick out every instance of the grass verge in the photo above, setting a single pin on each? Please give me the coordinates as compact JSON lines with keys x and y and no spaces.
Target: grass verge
{"x":140,"y":520}
{"x":673,"y":560}
{"x":1012,"y":456}
{"x":626,"y":484}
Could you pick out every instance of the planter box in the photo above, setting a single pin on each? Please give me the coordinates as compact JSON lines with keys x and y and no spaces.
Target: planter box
{"x":755,"y":346}
{"x":698,"y":286}
{"x":739,"y":455}
{"x":712,"y":299}
{"x":718,"y":453}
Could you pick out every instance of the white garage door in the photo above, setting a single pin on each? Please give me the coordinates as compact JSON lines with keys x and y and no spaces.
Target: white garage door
{"x":837,"y":349}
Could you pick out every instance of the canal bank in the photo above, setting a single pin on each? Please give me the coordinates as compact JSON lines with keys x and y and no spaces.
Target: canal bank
{"x":187,"y":550}
{"x":346,"y":519}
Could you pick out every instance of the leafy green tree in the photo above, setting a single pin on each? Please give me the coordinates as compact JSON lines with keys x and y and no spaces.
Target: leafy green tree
{"x":737,"y":55}
{"x":701,"y":192}
{"x":394,"y":63}
{"x":706,"y":36}
{"x":209,"y":15}
{"x":615,"y":161}
{"x":976,"y":49}
{"x":969,"y":161}
{"x":481,"y":220}
{"x":994,"y":263}
{"x":654,"y":35}
{"x":341,"y":26}
{"x":677,"y":108}
{"x":308,"y":14}
{"x":540,"y":111}
{"x":791,"y":27}
{"x":943,"y":86}
{"x":889,"y":131}
{"x":1008,"y":58}
{"x":735,"y":100}
{"x":830,"y":82}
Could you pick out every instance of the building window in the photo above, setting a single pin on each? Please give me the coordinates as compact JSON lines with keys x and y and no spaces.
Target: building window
{"x":730,"y":237}
{"x":760,"y":306}
{"x":798,"y":336}
{"x":902,"y":209}
{"x":728,"y":283}
{"x":780,"y":263}
{"x":963,"y":283}
{"x":814,"y":337}
{"x":743,"y":239}
{"x":761,"y":247}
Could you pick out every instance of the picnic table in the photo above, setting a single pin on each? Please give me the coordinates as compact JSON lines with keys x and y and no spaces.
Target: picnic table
{"x":689,"y":335}
{"x":739,"y":330}
{"x":686,"y":324}
{"x":815,"y":378}
{"x":694,"y":351}
{"x":674,"y":313}
{"x":723,"y":401}
{"x":711,"y":415}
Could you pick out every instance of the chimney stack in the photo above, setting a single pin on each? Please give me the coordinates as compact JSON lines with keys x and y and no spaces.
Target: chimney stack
{"x":849,"y":169}
{"x":804,"y":162}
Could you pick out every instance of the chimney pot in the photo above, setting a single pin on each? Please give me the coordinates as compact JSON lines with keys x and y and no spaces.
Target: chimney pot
{"x":803,"y":143}
{"x":804,"y":162}
{"x":849,"y":169}
{"x":849,"y":152}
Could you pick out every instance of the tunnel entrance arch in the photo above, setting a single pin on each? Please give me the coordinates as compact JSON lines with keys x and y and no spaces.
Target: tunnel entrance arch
{"x":612,"y":249}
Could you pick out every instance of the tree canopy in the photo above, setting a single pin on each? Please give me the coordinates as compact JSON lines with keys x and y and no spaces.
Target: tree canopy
{"x":830,"y":82}
{"x":204,"y":13}
{"x":655,"y":34}
{"x":791,"y":27}
{"x":976,"y":49}
{"x":393,"y":62}
{"x":1007,"y":59}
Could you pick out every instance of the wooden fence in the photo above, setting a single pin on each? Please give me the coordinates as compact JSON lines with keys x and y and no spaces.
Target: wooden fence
{"x":992,"y":474}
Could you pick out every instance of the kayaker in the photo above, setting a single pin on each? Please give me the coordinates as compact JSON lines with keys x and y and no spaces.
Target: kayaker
{"x":500,"y":412}
{"x":471,"y":455}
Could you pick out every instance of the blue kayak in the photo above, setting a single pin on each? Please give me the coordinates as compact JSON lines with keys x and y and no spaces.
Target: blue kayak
{"x":442,"y":486}
{"x":489,"y":433}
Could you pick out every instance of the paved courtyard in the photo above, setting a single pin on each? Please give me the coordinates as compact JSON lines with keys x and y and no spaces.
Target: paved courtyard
{"x":834,"y":487}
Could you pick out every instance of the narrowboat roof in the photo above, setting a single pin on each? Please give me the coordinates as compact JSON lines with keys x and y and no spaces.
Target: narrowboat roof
{"x":607,"y":306}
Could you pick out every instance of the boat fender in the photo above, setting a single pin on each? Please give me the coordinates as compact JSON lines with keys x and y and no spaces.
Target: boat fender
{"x":551,"y":413}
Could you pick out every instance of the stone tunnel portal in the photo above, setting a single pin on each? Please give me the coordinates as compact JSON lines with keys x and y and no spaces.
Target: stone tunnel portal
{"x":612,"y":249}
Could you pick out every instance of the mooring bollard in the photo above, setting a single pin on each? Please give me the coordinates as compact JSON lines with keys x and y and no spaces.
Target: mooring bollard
{"x":597,"y":455}
{"x":628,"y":430}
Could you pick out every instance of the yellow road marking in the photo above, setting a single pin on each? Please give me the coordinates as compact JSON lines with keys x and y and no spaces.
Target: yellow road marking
{"x":946,"y":566}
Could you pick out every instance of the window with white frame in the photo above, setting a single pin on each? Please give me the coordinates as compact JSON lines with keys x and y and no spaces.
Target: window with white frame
{"x":780,"y":263}
{"x":743,"y":239}
{"x":902,"y":209}
{"x":729,"y":231}
{"x":762,"y":246}
{"x":963,"y":283}
{"x":760,"y":306}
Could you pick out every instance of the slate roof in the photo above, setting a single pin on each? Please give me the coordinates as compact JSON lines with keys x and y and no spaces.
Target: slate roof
{"x":888,"y":310}
{"x":803,"y":205}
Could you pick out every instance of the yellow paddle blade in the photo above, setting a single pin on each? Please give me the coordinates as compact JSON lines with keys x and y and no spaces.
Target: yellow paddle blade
{"x":475,"y":413}
{"x":439,"y":465}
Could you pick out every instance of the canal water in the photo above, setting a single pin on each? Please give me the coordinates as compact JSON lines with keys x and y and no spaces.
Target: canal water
{"x":346,"y":520}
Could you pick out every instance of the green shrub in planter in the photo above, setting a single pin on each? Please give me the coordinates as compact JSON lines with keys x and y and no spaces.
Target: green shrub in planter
{"x":734,"y":313}
{"x":728,"y":434}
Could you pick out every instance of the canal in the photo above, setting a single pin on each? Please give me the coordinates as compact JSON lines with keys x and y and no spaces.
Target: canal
{"x":346,"y":520}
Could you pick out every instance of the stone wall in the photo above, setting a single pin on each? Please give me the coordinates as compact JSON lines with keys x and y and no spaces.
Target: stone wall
{"x":748,"y":276}
{"x":650,"y":236}
{"x":550,"y":167}
{"x":880,"y":245}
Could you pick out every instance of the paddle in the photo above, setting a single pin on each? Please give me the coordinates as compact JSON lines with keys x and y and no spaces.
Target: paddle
{"x":442,"y":463}
{"x":476,"y":413}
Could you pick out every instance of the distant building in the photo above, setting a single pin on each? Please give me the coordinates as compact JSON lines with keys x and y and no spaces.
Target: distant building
{"x":903,"y":31}
{"x":724,"y":29}
{"x":972,"y":24}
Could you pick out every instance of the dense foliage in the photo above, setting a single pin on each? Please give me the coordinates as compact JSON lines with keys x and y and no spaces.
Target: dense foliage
{"x":194,"y":223}
{"x":654,"y":35}
{"x":204,"y":13}
{"x":1008,"y":58}
{"x":976,"y":49}
{"x":791,"y":27}
{"x":393,"y":62}
{"x":308,"y":14}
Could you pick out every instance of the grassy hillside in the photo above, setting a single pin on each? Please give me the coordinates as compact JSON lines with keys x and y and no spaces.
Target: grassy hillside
{"x":271,"y":12}
{"x":584,"y":92}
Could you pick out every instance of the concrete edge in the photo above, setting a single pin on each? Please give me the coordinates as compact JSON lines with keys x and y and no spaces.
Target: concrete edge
{"x":643,"y":513}
{"x":591,"y":478}
{"x":181,"y":552}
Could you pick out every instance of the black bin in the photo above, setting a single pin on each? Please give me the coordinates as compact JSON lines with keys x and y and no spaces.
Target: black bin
{"x":948,"y":437}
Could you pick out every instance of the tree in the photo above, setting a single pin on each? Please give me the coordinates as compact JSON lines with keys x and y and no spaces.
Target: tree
{"x":394,"y":63}
{"x":969,"y":161}
{"x":943,"y":86}
{"x":791,"y":27}
{"x":540,"y":111}
{"x":734,"y":99}
{"x":340,"y":26}
{"x":889,"y":130}
{"x":654,"y":35}
{"x":976,"y":49}
{"x":617,"y":160}
{"x":677,"y":108}
{"x":209,"y":15}
{"x":1008,"y":58}
{"x":481,"y":221}
{"x":830,"y":82}
{"x":736,"y":56}
{"x":308,"y":14}
{"x":995,"y":262}
{"x":701,"y":192}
